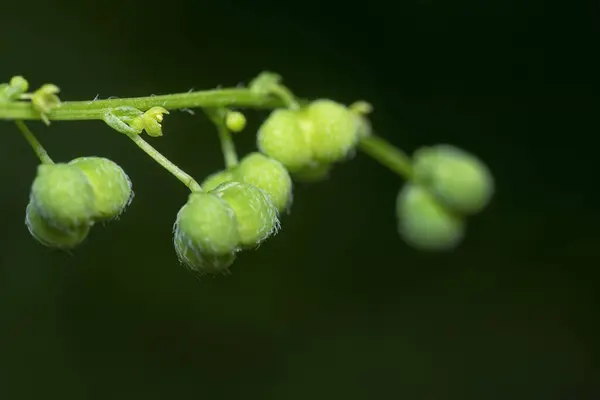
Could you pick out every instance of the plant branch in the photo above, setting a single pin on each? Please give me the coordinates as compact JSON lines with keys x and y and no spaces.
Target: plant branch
{"x":95,"y":109}
{"x":186,"y":179}
{"x":36,"y":146}
{"x":227,"y":146}
{"x":217,"y":116}
{"x":386,"y":154}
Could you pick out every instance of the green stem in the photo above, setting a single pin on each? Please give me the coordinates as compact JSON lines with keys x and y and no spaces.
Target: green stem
{"x":286,"y":96}
{"x":227,"y":146}
{"x":89,"y":110}
{"x":387,"y":154}
{"x":165,"y":163}
{"x":217,"y":116}
{"x":37,"y":147}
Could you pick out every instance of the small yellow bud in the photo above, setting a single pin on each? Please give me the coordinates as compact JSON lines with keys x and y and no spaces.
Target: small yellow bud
{"x":235,"y":121}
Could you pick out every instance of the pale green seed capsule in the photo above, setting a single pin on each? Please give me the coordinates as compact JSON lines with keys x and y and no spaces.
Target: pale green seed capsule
{"x":257,"y":216}
{"x":269,"y":175}
{"x":197,"y":261}
{"x":206,"y":234}
{"x":63,"y":196}
{"x":313,"y":173}
{"x":333,"y":131}
{"x":53,"y":237}
{"x":282,"y":137}
{"x":457,"y":179}
{"x":112,"y":187}
{"x":425,"y":224}
{"x":214,"y":180}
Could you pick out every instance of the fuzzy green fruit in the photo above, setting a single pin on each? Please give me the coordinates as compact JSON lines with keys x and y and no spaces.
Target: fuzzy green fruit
{"x":206,"y":234}
{"x":257,"y":216}
{"x":201,"y":262}
{"x":63,"y":196}
{"x":457,"y":179}
{"x":53,"y":237}
{"x":425,"y":224}
{"x":282,"y":137}
{"x":214,"y":180}
{"x":112,"y":187}
{"x":269,"y":175}
{"x":333,"y":131}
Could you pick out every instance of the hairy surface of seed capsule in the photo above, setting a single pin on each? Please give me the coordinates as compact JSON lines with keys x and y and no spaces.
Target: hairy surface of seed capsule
{"x":257,"y":216}
{"x":333,"y":131}
{"x":206,"y":234}
{"x":112,"y":187}
{"x":269,"y":175}
{"x":50,"y":236}
{"x":63,"y":196}
{"x":281,"y":137}
{"x":201,"y":262}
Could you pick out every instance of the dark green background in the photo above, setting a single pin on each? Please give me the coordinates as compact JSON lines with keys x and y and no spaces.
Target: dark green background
{"x":335,"y":306}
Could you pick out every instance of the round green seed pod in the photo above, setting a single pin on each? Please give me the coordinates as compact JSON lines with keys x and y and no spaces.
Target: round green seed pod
{"x":313,"y":173}
{"x":333,"y":130}
{"x":214,"y":180}
{"x":425,"y":224}
{"x":197,"y":261}
{"x":281,"y":137}
{"x":50,"y":236}
{"x":269,"y":175}
{"x":457,"y":179}
{"x":206,"y":235}
{"x":63,"y":196}
{"x":257,"y":216}
{"x":112,"y":187}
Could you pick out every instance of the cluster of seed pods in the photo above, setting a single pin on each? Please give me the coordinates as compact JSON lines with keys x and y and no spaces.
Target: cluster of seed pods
{"x":238,"y":208}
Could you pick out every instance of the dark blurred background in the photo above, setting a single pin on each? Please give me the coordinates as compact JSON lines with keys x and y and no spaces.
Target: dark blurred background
{"x":335,"y":306}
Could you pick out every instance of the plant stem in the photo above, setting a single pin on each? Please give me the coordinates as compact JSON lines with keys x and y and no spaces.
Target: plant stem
{"x":37,"y":147}
{"x":217,"y":116}
{"x":165,"y":163}
{"x":95,"y":109}
{"x":387,"y":154}
{"x":286,"y":95}
{"x":227,"y":146}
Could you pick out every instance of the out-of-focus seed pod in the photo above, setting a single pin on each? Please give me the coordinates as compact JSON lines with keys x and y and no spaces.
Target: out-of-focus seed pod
{"x":457,"y":179}
{"x":424,"y":223}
